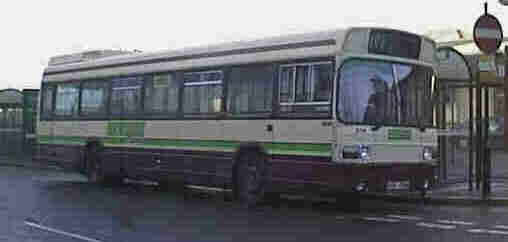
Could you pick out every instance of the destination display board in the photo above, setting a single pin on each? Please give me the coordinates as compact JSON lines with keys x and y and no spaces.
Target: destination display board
{"x":394,"y":43}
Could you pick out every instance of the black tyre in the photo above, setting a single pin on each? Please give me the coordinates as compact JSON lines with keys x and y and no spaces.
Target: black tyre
{"x":273,"y":198}
{"x":422,"y":189}
{"x":348,"y":201}
{"x":251,"y":177}
{"x":94,"y":169}
{"x":173,"y":186}
{"x":423,"y":194}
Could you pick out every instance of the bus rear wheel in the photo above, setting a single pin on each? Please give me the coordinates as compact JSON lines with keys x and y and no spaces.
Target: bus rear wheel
{"x":251,"y":177}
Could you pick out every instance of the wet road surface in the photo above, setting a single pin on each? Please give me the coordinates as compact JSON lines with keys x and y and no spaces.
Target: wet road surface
{"x":46,"y":205}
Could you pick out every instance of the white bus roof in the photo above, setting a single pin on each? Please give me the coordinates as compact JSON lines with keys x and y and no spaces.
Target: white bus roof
{"x":296,"y":46}
{"x":84,"y":56}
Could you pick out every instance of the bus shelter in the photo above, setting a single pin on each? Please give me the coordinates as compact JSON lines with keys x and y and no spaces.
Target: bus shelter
{"x":17,"y":122}
{"x":455,"y":115}
{"x":472,"y":116}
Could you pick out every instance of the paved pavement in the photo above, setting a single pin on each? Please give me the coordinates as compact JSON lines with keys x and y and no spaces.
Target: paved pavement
{"x":458,"y":160}
{"x":49,"y":205}
{"x":450,"y":194}
{"x":26,"y":162}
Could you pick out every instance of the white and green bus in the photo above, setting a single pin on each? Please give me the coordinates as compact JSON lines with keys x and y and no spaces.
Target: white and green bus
{"x":326,"y":111}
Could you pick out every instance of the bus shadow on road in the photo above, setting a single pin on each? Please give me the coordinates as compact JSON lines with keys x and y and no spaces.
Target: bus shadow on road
{"x":145,"y":191}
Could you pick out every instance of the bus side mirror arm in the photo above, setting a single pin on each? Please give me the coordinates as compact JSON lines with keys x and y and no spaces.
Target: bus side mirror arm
{"x":376,"y":127}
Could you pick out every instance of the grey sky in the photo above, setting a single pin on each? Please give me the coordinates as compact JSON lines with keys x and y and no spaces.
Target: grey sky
{"x":33,"y":31}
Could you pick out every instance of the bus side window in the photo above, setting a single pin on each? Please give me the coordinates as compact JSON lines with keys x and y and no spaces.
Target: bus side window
{"x":126,"y":98}
{"x":305,"y":87}
{"x":250,"y":89}
{"x":94,"y":96}
{"x":202,"y":92}
{"x":66,"y":99}
{"x":161,"y":94}
{"x":47,"y":100}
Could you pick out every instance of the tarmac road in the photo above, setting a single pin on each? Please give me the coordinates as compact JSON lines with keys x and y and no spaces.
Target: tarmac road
{"x":44,"y":205}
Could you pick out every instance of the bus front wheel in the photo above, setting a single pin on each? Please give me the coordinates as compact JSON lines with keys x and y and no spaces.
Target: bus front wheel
{"x":95,"y":170}
{"x":93,"y":164}
{"x":250,"y":176}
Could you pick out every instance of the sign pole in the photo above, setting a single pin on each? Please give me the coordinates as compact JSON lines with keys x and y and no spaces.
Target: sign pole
{"x":471,"y":134}
{"x":478,"y":141}
{"x":485,"y":146}
{"x":487,"y":35}
{"x":506,"y":100}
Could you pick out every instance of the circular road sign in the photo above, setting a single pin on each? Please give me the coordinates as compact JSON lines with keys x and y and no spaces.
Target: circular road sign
{"x":487,"y":34}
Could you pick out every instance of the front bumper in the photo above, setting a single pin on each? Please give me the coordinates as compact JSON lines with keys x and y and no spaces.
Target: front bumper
{"x":347,"y":175}
{"x":377,"y":174}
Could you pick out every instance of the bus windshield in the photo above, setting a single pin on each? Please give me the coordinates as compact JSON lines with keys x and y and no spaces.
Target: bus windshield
{"x":385,"y":93}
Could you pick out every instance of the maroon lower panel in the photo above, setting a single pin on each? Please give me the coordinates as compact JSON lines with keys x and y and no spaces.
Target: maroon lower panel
{"x":215,"y":168}
{"x":67,"y":156}
{"x":337,"y":175}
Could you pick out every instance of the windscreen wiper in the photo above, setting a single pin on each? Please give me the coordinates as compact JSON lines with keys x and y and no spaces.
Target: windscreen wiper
{"x":421,"y":127}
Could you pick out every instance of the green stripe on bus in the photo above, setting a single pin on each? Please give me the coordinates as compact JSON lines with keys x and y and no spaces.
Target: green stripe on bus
{"x":77,"y":140}
{"x":60,"y":140}
{"x":216,"y":145}
{"x":126,"y":128}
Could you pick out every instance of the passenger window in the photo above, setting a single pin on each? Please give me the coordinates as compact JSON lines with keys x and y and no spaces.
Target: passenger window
{"x":66,"y":101}
{"x":47,"y":100}
{"x":161,"y":94}
{"x":305,"y":83}
{"x":306,"y":88}
{"x":250,"y":89}
{"x":322,"y":76}
{"x":202,"y":92}
{"x":94,"y":95}
{"x":126,"y":96}
{"x":286,"y":84}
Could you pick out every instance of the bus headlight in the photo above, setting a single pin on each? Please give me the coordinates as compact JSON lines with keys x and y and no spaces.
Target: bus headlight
{"x":364,"y":152}
{"x":427,"y":153}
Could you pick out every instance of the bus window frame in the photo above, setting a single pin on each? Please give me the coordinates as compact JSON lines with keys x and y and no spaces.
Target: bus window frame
{"x":310,"y":64}
{"x":253,"y":114}
{"x":108,"y":98}
{"x":73,"y":116}
{"x":44,"y":115}
{"x":275,"y":113}
{"x":205,"y":115}
{"x":130,"y":116}
{"x":280,"y":114}
{"x":166,"y":115}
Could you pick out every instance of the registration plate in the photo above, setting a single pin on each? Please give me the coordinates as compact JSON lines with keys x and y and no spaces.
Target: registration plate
{"x":397,"y":185}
